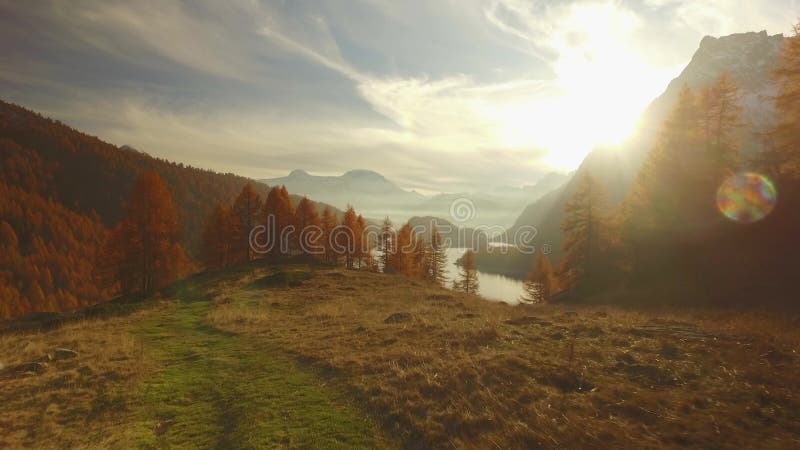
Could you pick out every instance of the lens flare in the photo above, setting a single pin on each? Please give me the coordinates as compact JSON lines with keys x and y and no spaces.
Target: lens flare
{"x":746,"y":197}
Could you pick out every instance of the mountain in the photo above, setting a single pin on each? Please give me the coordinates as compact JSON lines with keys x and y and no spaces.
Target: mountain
{"x":748,"y":58}
{"x":452,"y":234}
{"x":346,"y":187}
{"x":375,"y":196}
{"x":369,"y":192}
{"x":62,"y":190}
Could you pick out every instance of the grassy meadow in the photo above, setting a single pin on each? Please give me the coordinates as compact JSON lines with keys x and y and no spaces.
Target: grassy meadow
{"x":298,"y":356}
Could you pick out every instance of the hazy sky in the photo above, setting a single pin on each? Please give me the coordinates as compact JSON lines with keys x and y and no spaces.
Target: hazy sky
{"x":436,"y":95}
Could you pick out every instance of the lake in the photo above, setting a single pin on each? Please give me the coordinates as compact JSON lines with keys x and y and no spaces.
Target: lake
{"x":491,"y":286}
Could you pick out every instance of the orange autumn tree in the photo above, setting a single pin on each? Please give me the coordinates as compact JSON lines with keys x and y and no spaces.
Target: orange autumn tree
{"x":408,"y":256}
{"x":279,"y":216}
{"x":218,"y":238}
{"x":246,"y":210}
{"x":308,"y":226}
{"x":143,"y":254}
{"x":783,"y":158}
{"x":328,"y":224}
{"x":349,"y":238}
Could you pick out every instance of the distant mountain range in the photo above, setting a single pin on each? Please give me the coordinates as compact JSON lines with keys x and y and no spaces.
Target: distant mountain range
{"x":749,"y":58}
{"x":375,"y":196}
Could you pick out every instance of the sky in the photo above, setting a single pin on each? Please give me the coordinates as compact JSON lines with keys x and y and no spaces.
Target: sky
{"x":437,"y":95}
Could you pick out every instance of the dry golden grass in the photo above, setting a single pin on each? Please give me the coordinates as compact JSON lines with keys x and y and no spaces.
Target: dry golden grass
{"x":74,"y":402}
{"x":458,"y":371}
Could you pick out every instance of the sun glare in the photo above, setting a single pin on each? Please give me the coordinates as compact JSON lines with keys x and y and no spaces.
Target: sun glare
{"x":602,"y":86}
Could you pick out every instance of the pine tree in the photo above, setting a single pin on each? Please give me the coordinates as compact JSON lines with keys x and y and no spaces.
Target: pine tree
{"x":246,"y":210}
{"x":467,"y":281}
{"x":218,"y":238}
{"x":541,"y":281}
{"x":783,"y":157}
{"x":437,"y":259}
{"x":583,"y":220}
{"x":386,"y":241}
{"x":143,"y":250}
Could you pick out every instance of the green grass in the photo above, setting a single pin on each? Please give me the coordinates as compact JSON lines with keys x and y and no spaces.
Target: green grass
{"x":221,"y":390}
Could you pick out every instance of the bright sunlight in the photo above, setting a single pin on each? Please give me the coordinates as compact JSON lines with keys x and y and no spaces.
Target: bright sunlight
{"x":602,"y":87}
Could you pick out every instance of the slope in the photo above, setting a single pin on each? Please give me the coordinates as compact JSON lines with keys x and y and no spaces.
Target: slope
{"x":748,"y":58}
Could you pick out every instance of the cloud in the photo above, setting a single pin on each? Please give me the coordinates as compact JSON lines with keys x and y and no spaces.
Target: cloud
{"x":435,"y":95}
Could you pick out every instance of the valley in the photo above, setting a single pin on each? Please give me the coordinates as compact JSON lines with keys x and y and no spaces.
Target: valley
{"x":505,"y":224}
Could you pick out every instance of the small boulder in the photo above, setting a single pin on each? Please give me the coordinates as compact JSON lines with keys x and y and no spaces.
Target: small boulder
{"x":399,"y":317}
{"x":64,"y":353}
{"x":31,"y":368}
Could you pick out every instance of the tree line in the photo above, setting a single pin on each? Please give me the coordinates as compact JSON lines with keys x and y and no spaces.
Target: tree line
{"x":143,"y":252}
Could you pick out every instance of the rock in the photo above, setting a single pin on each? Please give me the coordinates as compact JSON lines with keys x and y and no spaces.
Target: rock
{"x":527,"y":320}
{"x":399,"y":317}
{"x":31,"y":368}
{"x":64,"y":353}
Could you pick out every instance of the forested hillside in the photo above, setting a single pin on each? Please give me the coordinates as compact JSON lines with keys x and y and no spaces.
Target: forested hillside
{"x":63,"y":190}
{"x":749,"y":58}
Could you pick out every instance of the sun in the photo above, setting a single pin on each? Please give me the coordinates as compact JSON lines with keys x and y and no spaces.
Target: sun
{"x":601,"y":87}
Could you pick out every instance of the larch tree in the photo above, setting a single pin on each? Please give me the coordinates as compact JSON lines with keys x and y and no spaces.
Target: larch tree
{"x":246,"y":210}
{"x":328,"y":224}
{"x":219,"y":237}
{"x":348,"y":238}
{"x":279,"y":216}
{"x":386,"y":241}
{"x":584,"y":215}
{"x":541,"y":281}
{"x":291,"y":235}
{"x":437,"y":258}
{"x":309,"y":228}
{"x":719,"y":120}
{"x":467,"y":281}
{"x":404,"y":259}
{"x":783,"y":157}
{"x":665,"y":196}
{"x":143,"y":250}
{"x":422,"y":259}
